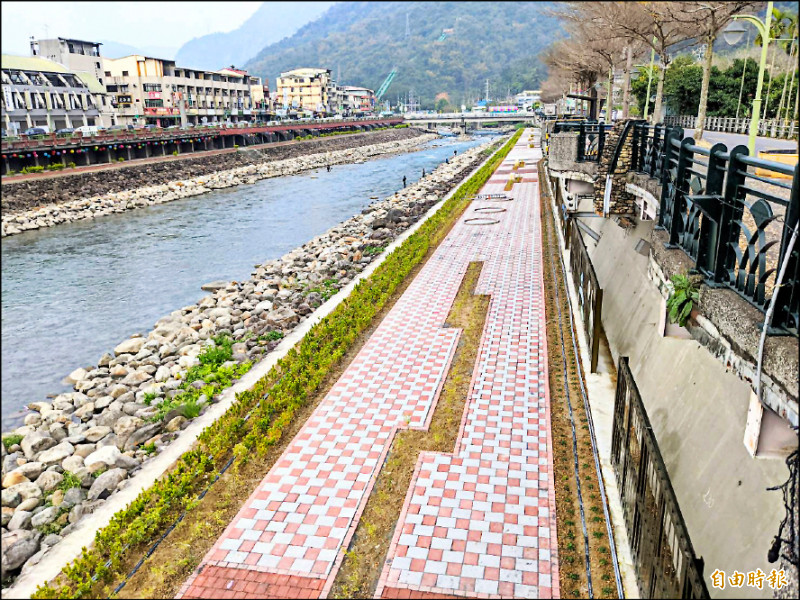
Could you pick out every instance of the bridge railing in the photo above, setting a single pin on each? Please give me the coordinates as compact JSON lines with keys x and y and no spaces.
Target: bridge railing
{"x":732,"y":213}
{"x":776,"y":128}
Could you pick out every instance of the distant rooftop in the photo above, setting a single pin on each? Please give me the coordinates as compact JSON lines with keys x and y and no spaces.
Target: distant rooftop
{"x":31,"y":63}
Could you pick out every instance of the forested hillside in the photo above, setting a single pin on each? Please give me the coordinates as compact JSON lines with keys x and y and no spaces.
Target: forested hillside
{"x":362,"y":41}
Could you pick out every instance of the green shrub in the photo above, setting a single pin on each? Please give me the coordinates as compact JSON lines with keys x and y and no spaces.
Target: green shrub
{"x":149,"y":448}
{"x":271,"y":404}
{"x":11,"y":440}
{"x":271,"y":336}
{"x":686,"y":291}
{"x":32,"y":169}
{"x":71,"y":165}
{"x":175,"y":152}
{"x":70,"y":481}
{"x":120,"y":159}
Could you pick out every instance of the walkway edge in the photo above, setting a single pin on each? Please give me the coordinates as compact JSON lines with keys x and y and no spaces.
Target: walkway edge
{"x":599,"y":388}
{"x":71,"y":546}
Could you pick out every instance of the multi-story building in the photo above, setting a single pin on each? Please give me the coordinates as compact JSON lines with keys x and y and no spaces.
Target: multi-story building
{"x":40,"y":92}
{"x":79,"y":56}
{"x":306,"y":89}
{"x":156,"y":91}
{"x":356,"y":100}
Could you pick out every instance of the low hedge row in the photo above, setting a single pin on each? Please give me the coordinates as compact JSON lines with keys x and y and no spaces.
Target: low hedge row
{"x":268,"y":407}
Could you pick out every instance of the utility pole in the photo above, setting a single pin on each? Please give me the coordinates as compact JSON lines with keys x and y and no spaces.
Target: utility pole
{"x":487,"y":91}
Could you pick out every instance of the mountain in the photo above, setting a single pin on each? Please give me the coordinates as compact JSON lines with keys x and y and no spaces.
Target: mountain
{"x":111,"y":49}
{"x":272,"y":22}
{"x":363,"y":41}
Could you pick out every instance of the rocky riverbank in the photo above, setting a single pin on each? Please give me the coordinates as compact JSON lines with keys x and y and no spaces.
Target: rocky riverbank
{"x":78,"y":449}
{"x":37,"y":203}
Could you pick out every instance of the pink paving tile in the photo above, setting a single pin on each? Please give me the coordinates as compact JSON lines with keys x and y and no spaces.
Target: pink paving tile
{"x":501,"y":505}
{"x":299,"y":520}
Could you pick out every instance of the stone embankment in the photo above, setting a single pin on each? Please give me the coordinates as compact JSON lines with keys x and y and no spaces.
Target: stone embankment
{"x":37,"y":203}
{"x":76,"y":450}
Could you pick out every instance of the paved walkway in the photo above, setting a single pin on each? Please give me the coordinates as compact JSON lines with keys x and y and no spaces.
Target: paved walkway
{"x":480,"y":521}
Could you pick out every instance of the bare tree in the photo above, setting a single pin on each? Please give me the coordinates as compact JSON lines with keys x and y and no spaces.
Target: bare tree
{"x":707,"y":18}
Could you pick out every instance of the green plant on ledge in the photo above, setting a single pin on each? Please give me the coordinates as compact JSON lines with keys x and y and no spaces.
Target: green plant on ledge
{"x":686,"y":291}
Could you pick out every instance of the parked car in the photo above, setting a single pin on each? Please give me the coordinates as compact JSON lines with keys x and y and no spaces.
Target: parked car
{"x":65,"y":131}
{"x":39,"y":130}
{"x":89,"y":129}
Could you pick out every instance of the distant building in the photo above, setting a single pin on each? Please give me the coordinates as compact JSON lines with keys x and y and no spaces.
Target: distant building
{"x":307,"y":89}
{"x":79,"y":56}
{"x":357,"y":100}
{"x":156,"y":91}
{"x":528,"y":98}
{"x":40,"y":92}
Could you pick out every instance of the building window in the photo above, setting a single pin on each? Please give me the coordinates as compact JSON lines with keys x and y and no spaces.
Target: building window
{"x":154,"y":103}
{"x":124,"y":73}
{"x":151,"y":87}
{"x":107,"y":73}
{"x":97,"y":64}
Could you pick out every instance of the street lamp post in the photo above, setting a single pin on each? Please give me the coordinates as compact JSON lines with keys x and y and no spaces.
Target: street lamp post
{"x":732,"y":35}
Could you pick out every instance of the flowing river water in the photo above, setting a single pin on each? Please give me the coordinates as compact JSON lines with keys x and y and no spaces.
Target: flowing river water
{"x":74,"y":291}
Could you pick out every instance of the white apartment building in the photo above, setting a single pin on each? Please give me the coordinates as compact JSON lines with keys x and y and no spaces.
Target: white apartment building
{"x":155,"y":91}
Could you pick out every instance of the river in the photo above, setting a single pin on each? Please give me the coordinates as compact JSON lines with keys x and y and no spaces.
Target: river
{"x":74,"y":291}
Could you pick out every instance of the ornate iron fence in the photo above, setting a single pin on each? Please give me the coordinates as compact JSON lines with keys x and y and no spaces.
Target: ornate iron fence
{"x":590,"y":294}
{"x":733,"y":214}
{"x":591,"y":137}
{"x":663,"y":556}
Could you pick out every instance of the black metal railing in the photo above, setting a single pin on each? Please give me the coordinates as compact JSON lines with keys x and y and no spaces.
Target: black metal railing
{"x":590,"y":294}
{"x":591,"y":137}
{"x":732,"y":213}
{"x":662,"y":552}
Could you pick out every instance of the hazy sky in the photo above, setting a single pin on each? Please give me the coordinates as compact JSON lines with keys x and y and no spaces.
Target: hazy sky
{"x":135,"y":23}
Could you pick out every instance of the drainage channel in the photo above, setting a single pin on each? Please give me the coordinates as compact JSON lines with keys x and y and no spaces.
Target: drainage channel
{"x":590,"y":422}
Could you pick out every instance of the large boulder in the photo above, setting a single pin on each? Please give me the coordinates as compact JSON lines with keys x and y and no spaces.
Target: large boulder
{"x":17,"y":548}
{"x":107,"y":455}
{"x":35,"y":442}
{"x":125,"y":426}
{"x":142,"y":435}
{"x":20,"y":520}
{"x":56,"y":454}
{"x":45,"y":517}
{"x":106,"y":484}
{"x":131,"y":346}
{"x":49,"y":480}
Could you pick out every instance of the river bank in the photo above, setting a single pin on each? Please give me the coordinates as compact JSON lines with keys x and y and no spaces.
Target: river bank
{"x":33,"y":204}
{"x":76,"y":451}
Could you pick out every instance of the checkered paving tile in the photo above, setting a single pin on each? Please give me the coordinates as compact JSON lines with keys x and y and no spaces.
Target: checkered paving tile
{"x":478,"y":521}
{"x":481,"y":521}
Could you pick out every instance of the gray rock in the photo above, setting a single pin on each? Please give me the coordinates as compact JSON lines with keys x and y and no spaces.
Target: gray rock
{"x":48,"y":515}
{"x":58,"y":431}
{"x":142,"y":435}
{"x":49,"y":480}
{"x":106,"y":484}
{"x":35,"y":442}
{"x":85,"y":412}
{"x":107,"y":455}
{"x":20,"y":520}
{"x":51,"y":540}
{"x":104,"y":360}
{"x":26,"y":491}
{"x":56,"y":454}
{"x":30,"y":470}
{"x":95,"y":434}
{"x":103,"y":402}
{"x":109,"y":440}
{"x":81,"y":510}
{"x":84,"y":450}
{"x":73,"y":496}
{"x":15,"y":555}
{"x":125,"y":426}
{"x":109,"y":416}
{"x":213,"y":286}
{"x":126,"y":462}
{"x":131,"y":346}
{"x":176,"y":423}
{"x":72,"y":463}
{"x":30,"y":504}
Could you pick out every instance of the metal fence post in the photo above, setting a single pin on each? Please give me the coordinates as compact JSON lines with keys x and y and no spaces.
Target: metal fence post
{"x":678,"y":201}
{"x":787,"y":296}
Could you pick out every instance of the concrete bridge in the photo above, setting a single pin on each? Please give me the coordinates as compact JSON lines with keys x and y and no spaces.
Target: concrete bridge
{"x":463,"y":120}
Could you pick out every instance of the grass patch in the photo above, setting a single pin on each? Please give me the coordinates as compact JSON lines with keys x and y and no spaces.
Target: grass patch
{"x":11,"y":440}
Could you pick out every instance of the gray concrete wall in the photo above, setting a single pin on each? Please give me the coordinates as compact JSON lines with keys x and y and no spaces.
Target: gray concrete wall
{"x":698,"y":413}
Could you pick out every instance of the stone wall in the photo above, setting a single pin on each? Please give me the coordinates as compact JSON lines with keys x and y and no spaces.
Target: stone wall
{"x":623,"y":203}
{"x":26,"y":194}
